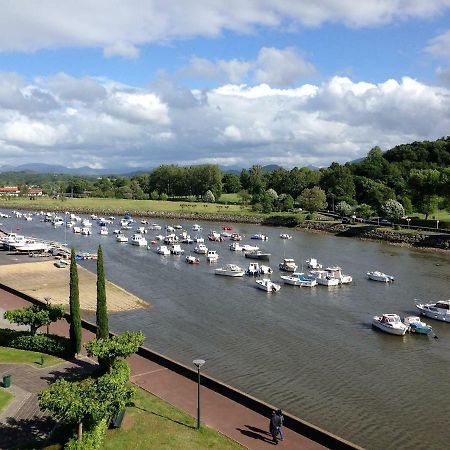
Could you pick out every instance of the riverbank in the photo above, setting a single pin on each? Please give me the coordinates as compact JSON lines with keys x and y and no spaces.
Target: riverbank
{"x":43,"y":279}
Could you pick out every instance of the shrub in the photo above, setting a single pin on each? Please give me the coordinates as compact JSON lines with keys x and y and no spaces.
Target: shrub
{"x":163,"y":197}
{"x":92,"y":439}
{"x":209,"y":197}
{"x":42,"y":343}
{"x":154,"y":195}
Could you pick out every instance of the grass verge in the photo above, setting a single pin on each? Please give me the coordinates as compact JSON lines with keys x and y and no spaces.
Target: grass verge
{"x":5,"y":398}
{"x":154,"y":424}
{"x":15,"y":356}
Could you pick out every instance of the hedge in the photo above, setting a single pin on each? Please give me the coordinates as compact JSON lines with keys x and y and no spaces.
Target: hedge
{"x":42,"y":343}
{"x":91,"y":440}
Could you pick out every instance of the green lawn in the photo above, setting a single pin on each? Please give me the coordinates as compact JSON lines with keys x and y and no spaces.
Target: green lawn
{"x":154,"y":424}
{"x":5,"y":398}
{"x":13,"y":355}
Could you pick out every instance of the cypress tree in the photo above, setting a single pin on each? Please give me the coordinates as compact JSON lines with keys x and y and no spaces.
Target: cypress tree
{"x":102,"y":311}
{"x":74,"y":306}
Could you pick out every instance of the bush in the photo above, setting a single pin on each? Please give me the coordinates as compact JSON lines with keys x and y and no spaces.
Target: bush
{"x":42,"y":343}
{"x":163,"y":197}
{"x":92,"y":439}
{"x":310,"y":216}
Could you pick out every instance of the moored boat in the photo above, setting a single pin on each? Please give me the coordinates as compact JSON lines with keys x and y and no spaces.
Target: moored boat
{"x":121,"y":238}
{"x":162,"y":250}
{"x":313,"y":264}
{"x":201,"y":249}
{"x":416,"y":326}
{"x":259,"y":237}
{"x":336,"y":272}
{"x":380,"y":276}
{"x":299,"y":279}
{"x":285,"y":236}
{"x":212,"y":256}
{"x":322,"y":277}
{"x":192,"y":260}
{"x":176,"y":249}
{"x":267,"y":285}
{"x":138,"y":239}
{"x":390,"y":323}
{"x":439,"y":310}
{"x":235,"y":247}
{"x":258,"y":254}
{"x":288,"y":265}
{"x":255,"y":269}
{"x":230,"y":270}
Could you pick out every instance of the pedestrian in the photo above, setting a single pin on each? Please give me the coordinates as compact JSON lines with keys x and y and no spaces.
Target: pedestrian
{"x":274,"y":426}
{"x":281,"y":417}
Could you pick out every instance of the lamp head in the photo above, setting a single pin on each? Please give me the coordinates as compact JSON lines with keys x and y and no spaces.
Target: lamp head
{"x":198,"y":363}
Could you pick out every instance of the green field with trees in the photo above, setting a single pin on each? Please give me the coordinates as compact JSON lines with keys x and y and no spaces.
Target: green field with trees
{"x":415,"y":175}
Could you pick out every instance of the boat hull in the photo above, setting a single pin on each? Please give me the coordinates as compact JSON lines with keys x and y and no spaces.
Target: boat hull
{"x":390,"y":330}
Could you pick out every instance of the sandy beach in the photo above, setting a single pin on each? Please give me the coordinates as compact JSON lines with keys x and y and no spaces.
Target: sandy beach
{"x":41,"y":279}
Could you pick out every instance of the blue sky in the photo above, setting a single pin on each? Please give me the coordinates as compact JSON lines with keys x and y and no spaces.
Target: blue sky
{"x":147,"y":82}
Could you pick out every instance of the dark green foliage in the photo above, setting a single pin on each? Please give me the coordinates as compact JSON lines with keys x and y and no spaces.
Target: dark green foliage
{"x":42,"y":343}
{"x":74,"y":306}
{"x":92,"y":438}
{"x":35,"y":316}
{"x":102,"y":311}
{"x":283,"y":221}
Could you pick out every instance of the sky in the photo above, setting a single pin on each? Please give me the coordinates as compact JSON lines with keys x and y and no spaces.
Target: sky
{"x":135,"y":84}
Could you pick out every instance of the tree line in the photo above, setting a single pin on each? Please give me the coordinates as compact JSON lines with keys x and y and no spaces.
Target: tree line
{"x":416,"y":175}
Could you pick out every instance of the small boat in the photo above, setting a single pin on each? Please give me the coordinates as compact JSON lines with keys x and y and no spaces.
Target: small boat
{"x":212,"y":256}
{"x":144,"y":221}
{"x":196,"y":227}
{"x":260,"y":237}
{"x":199,"y":239}
{"x":85,"y":255}
{"x":288,"y":265}
{"x":176,"y":250}
{"x":61,"y":264}
{"x":121,"y":238}
{"x":76,"y":229}
{"x":390,"y":323}
{"x":439,"y":310}
{"x":104,"y":231}
{"x":227,"y":228}
{"x":86,"y":231}
{"x":154,"y":226}
{"x":230,"y":270}
{"x":313,"y":264}
{"x":267,"y":285}
{"x":201,"y":249}
{"x":380,"y":276}
{"x":192,"y":260}
{"x":169,"y":229}
{"x":322,"y":277}
{"x":171,"y":239}
{"x":285,"y":236}
{"x":138,"y":239}
{"x":225,"y":234}
{"x":299,"y":279}
{"x":249,"y":248}
{"x":141,"y":230}
{"x":214,"y":236}
{"x":256,"y":269}
{"x":336,"y":272}
{"x":236,"y":237}
{"x":178,"y":227}
{"x":258,"y":254}
{"x":235,"y":247}
{"x":415,"y":325}
{"x":162,"y":250}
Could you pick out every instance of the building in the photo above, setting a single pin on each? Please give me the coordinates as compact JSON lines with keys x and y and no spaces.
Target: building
{"x":10,"y":191}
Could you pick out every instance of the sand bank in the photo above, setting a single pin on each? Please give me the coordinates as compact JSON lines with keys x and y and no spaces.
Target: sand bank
{"x":42,"y":279}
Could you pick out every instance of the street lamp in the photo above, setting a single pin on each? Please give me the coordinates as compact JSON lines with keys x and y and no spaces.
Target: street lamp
{"x":198,"y":363}
{"x":437,"y":224}
{"x":47,"y":301}
{"x":408,"y":220}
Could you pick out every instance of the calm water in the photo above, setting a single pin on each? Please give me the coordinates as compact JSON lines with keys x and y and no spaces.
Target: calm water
{"x":311,"y":352}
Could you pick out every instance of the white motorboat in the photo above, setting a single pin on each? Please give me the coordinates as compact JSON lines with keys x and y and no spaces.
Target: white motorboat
{"x":196,"y":227}
{"x":416,"y":326}
{"x":267,"y":285}
{"x":138,"y":239}
{"x":76,"y":229}
{"x":288,"y":265}
{"x":313,"y":264}
{"x":235,"y":247}
{"x":86,"y":231}
{"x":104,"y":231}
{"x":32,"y":247}
{"x":192,"y":260}
{"x":154,"y":226}
{"x":176,"y":249}
{"x":199,"y":239}
{"x":171,"y":239}
{"x":215,"y":236}
{"x":141,"y":230}
{"x":439,"y":310}
{"x":201,"y":249}
{"x":212,"y":256}
{"x":336,"y":272}
{"x":178,"y":227}
{"x":285,"y":236}
{"x":380,"y":276}
{"x":255,"y":269}
{"x":390,"y":323}
{"x":121,"y":238}
{"x":249,"y":248}
{"x":322,"y":277}
{"x":236,"y":237}
{"x":260,"y":237}
{"x":230,"y":270}
{"x":162,"y":250}
{"x":258,"y":254}
{"x":299,"y":279}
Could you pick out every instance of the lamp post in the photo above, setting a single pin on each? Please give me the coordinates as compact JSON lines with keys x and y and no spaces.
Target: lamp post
{"x":408,"y":220}
{"x":198,"y":363}
{"x":47,"y":301}
{"x":437,"y":224}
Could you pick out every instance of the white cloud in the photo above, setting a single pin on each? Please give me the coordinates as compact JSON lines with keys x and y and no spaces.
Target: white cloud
{"x":120,"y":27}
{"x":279,"y":67}
{"x":237,"y":124}
{"x":440,"y":46}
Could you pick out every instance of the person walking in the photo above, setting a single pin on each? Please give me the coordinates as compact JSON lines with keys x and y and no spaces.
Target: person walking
{"x":281,"y":420}
{"x":275,"y":426}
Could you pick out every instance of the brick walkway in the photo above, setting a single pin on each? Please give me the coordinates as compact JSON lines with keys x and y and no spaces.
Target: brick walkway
{"x":228,"y":417}
{"x":22,"y":420}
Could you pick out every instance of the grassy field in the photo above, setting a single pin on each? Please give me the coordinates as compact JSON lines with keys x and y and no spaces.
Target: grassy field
{"x":120,"y":206}
{"x":13,"y":355}
{"x":154,"y":424}
{"x":5,"y":398}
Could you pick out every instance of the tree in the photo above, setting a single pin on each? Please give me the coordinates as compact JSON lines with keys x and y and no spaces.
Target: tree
{"x":344,"y":209}
{"x":285,"y":202}
{"x":272,"y":193}
{"x":393,"y":210}
{"x":208,"y":197}
{"x":338,"y":181}
{"x":364,"y":210}
{"x":313,"y":199}
{"x":244,"y":196}
{"x":154,"y":195}
{"x":231,"y":183}
{"x":120,"y":346}
{"x":424,"y":185}
{"x":74,"y":306}
{"x":256,"y":181}
{"x":102,"y":311}
{"x":266,"y":203}
{"x":35,"y":316}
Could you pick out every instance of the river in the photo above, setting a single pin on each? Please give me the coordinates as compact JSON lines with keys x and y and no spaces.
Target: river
{"x":309,"y":351}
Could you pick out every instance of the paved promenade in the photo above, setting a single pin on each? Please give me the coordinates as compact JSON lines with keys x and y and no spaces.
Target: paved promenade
{"x":232,"y":419}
